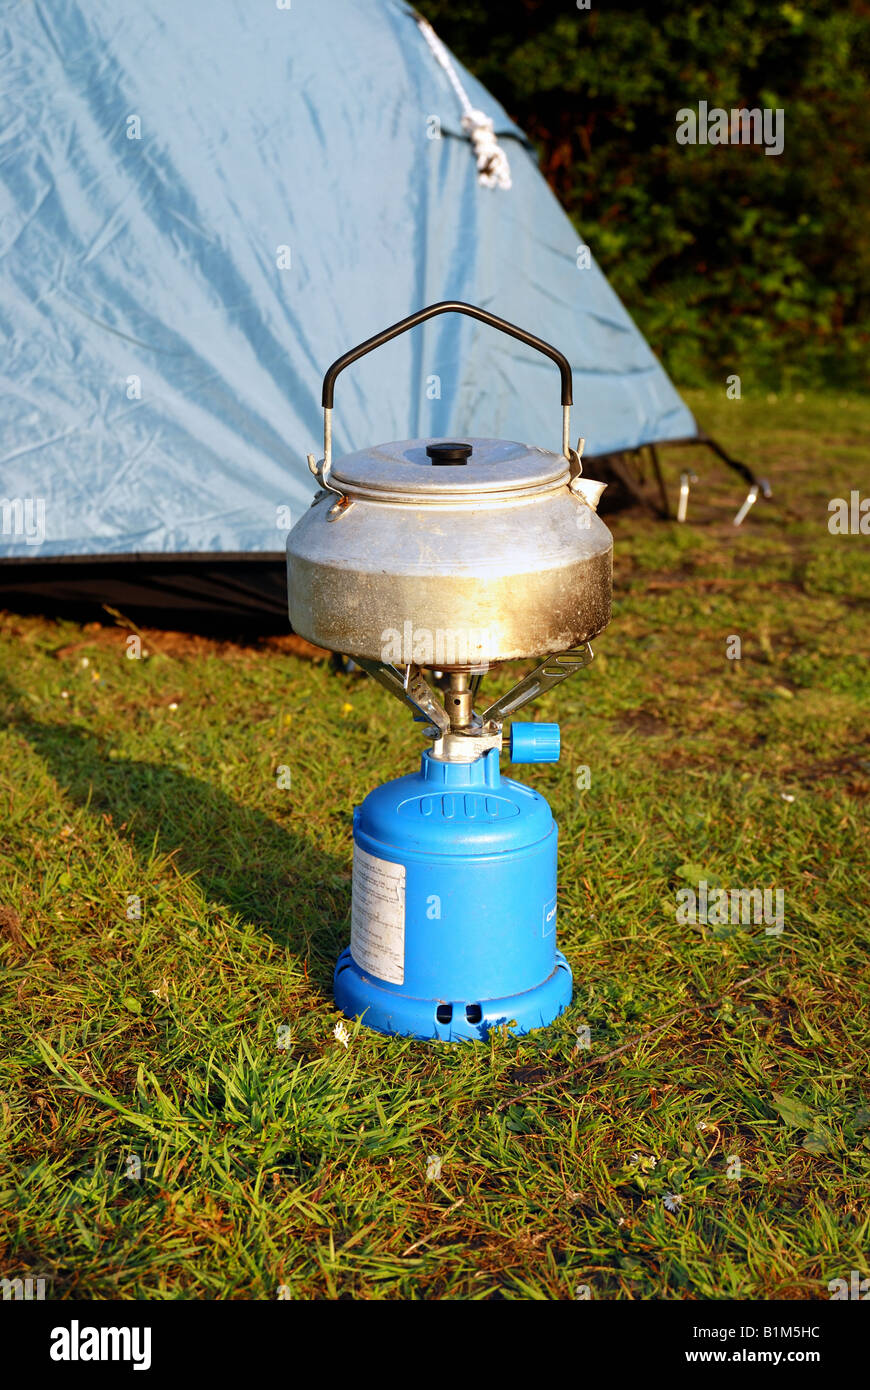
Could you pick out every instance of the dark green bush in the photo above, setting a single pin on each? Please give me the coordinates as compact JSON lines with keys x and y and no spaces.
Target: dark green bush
{"x":729,"y":259}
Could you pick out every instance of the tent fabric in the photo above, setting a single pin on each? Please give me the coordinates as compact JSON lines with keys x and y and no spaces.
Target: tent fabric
{"x":203,"y":205}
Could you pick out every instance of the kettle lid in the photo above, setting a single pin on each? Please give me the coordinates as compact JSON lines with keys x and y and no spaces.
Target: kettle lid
{"x":439,"y":468}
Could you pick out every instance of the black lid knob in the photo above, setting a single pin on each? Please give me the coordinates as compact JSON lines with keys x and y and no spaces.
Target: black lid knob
{"x":445,"y":452}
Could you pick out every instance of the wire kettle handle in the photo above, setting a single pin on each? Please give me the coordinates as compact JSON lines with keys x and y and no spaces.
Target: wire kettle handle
{"x":447,"y":306}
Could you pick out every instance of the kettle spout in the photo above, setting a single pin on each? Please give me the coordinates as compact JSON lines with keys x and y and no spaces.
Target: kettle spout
{"x":588,"y":490}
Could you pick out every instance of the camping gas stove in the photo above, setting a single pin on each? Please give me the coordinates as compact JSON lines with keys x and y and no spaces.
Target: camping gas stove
{"x":448,"y":557}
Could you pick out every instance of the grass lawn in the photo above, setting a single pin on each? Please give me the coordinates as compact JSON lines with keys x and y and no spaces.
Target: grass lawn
{"x":182,"y":1121}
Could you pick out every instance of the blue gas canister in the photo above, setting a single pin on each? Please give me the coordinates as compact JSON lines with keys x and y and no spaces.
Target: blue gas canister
{"x":453,"y":925}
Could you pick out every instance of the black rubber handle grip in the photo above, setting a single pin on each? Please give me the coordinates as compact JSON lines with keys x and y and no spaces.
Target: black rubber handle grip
{"x":447,"y":306}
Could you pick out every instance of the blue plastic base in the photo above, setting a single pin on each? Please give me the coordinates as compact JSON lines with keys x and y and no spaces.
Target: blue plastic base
{"x":454,"y":905}
{"x":359,"y":996}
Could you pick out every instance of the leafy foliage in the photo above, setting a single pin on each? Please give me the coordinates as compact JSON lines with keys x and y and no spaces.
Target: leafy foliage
{"x":730,"y":259}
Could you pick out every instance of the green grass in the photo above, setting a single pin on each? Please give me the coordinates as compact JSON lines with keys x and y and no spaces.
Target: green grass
{"x":149,"y":1045}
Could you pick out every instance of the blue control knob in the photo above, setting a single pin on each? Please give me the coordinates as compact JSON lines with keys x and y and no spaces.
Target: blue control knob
{"x":534,"y":743}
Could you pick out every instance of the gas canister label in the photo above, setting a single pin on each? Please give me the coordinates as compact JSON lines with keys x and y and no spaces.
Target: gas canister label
{"x":377,"y":920}
{"x":549,"y":918}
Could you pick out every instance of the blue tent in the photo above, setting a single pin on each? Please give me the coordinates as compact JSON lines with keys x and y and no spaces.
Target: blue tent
{"x":204,"y":204}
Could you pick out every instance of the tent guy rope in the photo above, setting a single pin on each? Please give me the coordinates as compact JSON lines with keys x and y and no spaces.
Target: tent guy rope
{"x":493,"y":169}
